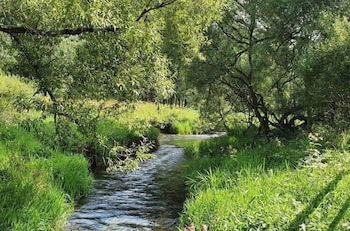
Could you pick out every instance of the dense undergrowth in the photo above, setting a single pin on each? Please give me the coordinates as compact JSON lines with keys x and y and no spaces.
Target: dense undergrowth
{"x":295,"y":184}
{"x":44,"y":164}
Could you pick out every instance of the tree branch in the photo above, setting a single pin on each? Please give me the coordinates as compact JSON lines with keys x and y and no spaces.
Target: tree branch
{"x":77,"y":31}
{"x":158,"y":6}
{"x":80,"y":30}
{"x":231,"y":36}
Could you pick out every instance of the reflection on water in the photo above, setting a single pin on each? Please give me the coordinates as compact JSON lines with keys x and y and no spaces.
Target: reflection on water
{"x":149,"y":198}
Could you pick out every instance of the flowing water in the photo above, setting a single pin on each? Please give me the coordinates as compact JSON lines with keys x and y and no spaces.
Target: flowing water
{"x":148,"y":198}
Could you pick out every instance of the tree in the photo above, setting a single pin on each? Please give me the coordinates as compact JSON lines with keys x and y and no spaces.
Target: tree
{"x":324,"y":67}
{"x":253,"y":53}
{"x":105,"y":49}
{"x":116,"y":41}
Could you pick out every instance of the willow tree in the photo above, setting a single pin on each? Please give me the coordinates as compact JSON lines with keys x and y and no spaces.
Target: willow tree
{"x":121,"y":36}
{"x":325,"y":70}
{"x":251,"y":59}
{"x":103,"y":49}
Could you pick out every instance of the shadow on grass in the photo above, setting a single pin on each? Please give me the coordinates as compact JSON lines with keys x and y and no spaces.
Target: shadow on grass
{"x":303,"y":215}
{"x":340,"y":215}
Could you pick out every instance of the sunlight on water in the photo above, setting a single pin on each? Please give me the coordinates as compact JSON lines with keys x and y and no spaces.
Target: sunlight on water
{"x":148,"y":198}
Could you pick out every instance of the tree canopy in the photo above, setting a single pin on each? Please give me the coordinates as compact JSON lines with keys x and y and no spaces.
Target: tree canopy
{"x":253,"y":60}
{"x":263,"y":58}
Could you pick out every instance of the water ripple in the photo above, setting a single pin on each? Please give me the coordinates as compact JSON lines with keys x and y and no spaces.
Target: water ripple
{"x":148,"y":198}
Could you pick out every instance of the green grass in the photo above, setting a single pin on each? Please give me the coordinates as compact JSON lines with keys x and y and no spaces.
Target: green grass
{"x":67,"y":172}
{"x":167,"y":118}
{"x":29,"y":201}
{"x":38,"y":185}
{"x":274,"y":186}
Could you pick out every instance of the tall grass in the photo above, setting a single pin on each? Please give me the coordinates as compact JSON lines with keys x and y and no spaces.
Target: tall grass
{"x":344,"y":140}
{"x":67,"y":172}
{"x":273,"y":186}
{"x":29,"y":201}
{"x":38,"y":185}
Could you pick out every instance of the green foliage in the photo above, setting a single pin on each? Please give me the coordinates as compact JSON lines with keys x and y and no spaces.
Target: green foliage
{"x":7,"y":53}
{"x":133,"y":134}
{"x":332,"y":137}
{"x":268,"y":63}
{"x":169,"y":119}
{"x":19,"y":141}
{"x":245,"y":149}
{"x":17,"y":100}
{"x":120,"y":49}
{"x":256,"y":200}
{"x":344,"y":140}
{"x":251,"y":64}
{"x":125,"y":144}
{"x":325,"y":70}
{"x":92,"y":128}
{"x":98,"y":134}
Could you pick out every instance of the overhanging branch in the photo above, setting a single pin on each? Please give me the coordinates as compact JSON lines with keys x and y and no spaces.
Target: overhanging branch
{"x":80,"y":30}
{"x":77,"y":31}
{"x":158,"y":6}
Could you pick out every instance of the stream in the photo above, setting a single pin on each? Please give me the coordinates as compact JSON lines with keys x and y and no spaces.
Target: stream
{"x":148,"y":198}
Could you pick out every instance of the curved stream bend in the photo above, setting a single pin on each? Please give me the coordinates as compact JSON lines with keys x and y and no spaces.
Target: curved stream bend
{"x":149,"y":198}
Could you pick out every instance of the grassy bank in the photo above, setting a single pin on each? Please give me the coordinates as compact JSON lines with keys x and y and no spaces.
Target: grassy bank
{"x":296,"y":184}
{"x":38,"y":185}
{"x":44,"y":166}
{"x":111,"y":138}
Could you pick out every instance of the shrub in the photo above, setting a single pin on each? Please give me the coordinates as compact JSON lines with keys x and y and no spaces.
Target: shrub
{"x":17,"y":102}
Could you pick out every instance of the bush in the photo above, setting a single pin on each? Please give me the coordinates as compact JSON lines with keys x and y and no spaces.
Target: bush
{"x":17,"y":102}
